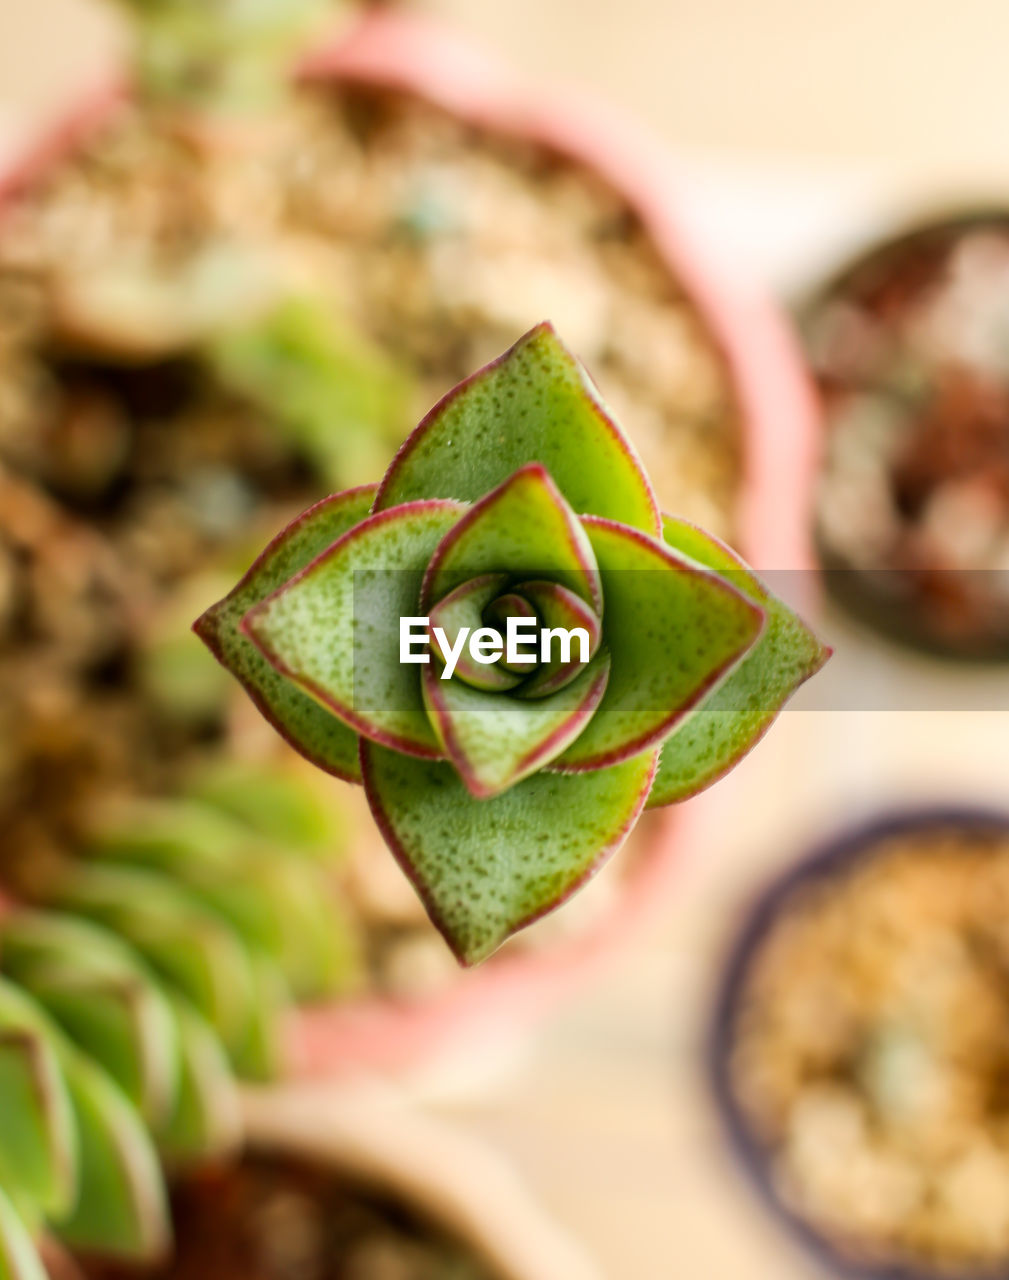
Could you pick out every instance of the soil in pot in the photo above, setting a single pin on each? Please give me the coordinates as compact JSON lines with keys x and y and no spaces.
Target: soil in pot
{"x":866,"y":1050}
{"x":277,"y":1218}
{"x":438,"y":244}
{"x":909,"y":350}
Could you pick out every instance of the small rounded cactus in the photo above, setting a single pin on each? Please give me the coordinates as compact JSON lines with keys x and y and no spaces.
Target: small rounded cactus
{"x":503,"y":776}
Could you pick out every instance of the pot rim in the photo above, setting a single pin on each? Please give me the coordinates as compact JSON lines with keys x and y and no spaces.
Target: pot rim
{"x":456,"y":1181}
{"x":846,"y":846}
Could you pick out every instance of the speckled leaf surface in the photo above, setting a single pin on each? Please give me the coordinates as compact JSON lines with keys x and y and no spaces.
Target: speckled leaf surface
{"x":38,"y":1151}
{"x":325,"y":740}
{"x":737,"y":714}
{"x":673,"y":632}
{"x":485,"y":868}
{"x":18,"y":1257}
{"x":334,"y":629}
{"x":495,"y":741}
{"x":536,"y":403}
{"x":523,"y":528}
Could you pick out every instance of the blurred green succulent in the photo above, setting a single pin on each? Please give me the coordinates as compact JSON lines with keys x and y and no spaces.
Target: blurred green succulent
{"x":221,"y":56}
{"x":159,"y":969}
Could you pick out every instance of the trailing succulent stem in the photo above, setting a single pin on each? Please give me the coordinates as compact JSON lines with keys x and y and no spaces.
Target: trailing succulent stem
{"x":500,"y":779}
{"x":157,"y":970}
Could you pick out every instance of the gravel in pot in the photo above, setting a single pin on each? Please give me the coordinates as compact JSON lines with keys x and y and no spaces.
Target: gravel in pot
{"x":909,"y":346}
{"x":861,"y":1049}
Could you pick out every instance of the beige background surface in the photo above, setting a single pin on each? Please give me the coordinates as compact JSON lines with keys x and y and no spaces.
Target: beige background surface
{"x":918,"y":85}
{"x":798,"y":120}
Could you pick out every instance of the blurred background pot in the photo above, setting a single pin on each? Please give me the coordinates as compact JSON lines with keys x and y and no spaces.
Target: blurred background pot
{"x":354,"y":1184}
{"x":859,"y":1053}
{"x":907,"y":343}
{"x":742,"y":388}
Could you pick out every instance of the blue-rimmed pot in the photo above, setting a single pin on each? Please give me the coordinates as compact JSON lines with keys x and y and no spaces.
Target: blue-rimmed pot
{"x":833,"y":860}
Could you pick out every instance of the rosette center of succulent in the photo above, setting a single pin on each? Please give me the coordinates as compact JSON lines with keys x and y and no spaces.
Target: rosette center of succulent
{"x":530,"y":638}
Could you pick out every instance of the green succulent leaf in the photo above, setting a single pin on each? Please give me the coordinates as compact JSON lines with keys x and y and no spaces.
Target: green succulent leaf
{"x":38,"y":1142}
{"x":274,"y":803}
{"x":558,"y":608}
{"x":121,"y":1209}
{"x":737,"y":714}
{"x":283,"y":906}
{"x":205,"y":1121}
{"x":523,"y":528}
{"x":122,"y":1023}
{"x":260,"y":1055}
{"x":334,"y":629}
{"x":535,"y":404}
{"x":119,"y":1206}
{"x":173,"y":835}
{"x":222,"y":59}
{"x":486,"y":868}
{"x":318,"y":735}
{"x":496,"y":741}
{"x":290,"y":912}
{"x":673,"y":632}
{"x":103,"y":995}
{"x":184,"y":941}
{"x":321,"y":382}
{"x":464,"y":607}
{"x":19,"y":1259}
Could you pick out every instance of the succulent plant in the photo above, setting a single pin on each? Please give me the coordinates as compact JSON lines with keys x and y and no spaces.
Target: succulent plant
{"x":502,"y":783}
{"x":221,"y":55}
{"x":158,"y":968}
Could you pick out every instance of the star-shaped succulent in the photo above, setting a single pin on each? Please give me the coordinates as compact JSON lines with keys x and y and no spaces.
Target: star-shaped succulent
{"x":503,"y":781}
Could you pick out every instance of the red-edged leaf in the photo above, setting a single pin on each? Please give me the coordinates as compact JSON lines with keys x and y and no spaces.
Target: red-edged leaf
{"x":523,"y":528}
{"x":486,"y":868}
{"x":536,"y":403}
{"x":315,"y":732}
{"x":334,"y":629}
{"x":673,"y":631}
{"x":558,"y":608}
{"x":739,"y":712}
{"x":464,"y":608}
{"x":495,"y":740}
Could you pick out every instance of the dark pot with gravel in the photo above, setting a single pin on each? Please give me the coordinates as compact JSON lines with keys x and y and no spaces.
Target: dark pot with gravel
{"x":908,"y":347}
{"x":860,"y":1053}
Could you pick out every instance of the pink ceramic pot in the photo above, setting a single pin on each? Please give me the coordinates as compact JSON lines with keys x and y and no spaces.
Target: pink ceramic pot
{"x":404,"y":52}
{"x":487,"y":1006}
